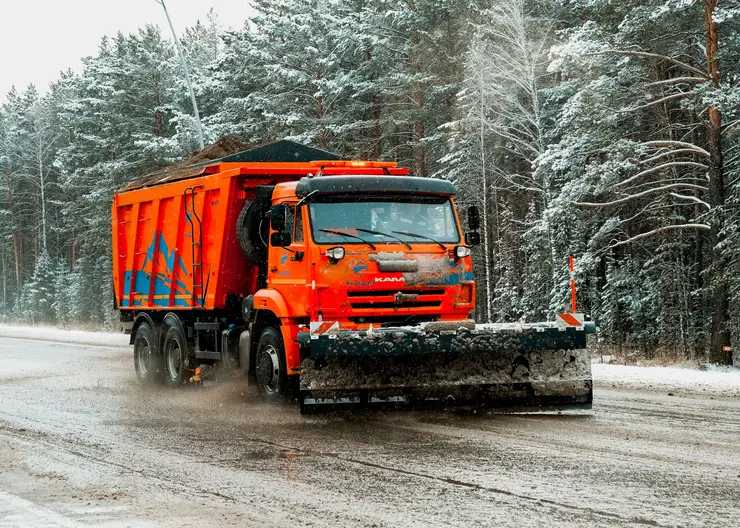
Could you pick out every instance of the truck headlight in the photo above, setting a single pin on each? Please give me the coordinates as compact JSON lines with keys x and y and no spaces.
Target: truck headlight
{"x":462,"y":251}
{"x":335,"y":253}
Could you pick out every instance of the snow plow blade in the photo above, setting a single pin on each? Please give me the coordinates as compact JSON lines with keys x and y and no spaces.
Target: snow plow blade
{"x":509,"y":367}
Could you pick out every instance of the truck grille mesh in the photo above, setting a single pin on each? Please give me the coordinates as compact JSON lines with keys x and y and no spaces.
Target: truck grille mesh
{"x":389,"y":299}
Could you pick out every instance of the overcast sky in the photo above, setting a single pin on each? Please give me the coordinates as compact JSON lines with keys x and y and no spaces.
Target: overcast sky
{"x":40,"y":38}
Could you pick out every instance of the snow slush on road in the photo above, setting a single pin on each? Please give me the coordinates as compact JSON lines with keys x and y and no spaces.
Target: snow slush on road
{"x":542,"y":366}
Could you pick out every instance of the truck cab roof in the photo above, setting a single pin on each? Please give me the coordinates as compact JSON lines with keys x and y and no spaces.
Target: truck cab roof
{"x":348,"y":184}
{"x":362,"y":183}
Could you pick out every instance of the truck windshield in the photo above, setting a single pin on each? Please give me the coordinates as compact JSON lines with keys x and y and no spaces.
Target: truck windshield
{"x":392,"y":220}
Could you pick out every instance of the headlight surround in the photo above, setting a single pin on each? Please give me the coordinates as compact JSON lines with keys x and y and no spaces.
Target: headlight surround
{"x":462,"y":251}
{"x":335,"y":253}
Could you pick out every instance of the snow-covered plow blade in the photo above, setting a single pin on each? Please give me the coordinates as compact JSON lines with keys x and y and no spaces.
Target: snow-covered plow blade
{"x":511,"y":367}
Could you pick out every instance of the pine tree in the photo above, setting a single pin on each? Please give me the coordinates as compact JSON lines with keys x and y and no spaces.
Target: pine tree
{"x":39,"y":292}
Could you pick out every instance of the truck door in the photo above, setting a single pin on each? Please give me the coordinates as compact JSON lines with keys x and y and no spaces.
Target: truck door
{"x":288,"y":266}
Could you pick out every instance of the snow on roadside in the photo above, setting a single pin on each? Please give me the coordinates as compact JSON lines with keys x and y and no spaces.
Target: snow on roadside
{"x":722,"y":382}
{"x":50,"y":333}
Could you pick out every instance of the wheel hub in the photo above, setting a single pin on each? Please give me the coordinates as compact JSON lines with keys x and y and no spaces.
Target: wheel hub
{"x":267,"y":368}
{"x":174,"y":360}
{"x":142,"y":357}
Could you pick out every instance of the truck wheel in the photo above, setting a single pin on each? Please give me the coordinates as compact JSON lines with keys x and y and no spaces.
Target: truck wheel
{"x":252,"y":229}
{"x":175,"y":354}
{"x":147,"y":359}
{"x":269,"y":367}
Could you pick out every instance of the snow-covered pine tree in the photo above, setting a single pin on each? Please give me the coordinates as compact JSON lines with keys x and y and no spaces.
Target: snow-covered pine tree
{"x":123,"y":121}
{"x":39,"y":293}
{"x":658,"y":163}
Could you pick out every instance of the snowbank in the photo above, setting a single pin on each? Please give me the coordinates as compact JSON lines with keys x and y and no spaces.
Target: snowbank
{"x":50,"y":333}
{"x":725,"y":382}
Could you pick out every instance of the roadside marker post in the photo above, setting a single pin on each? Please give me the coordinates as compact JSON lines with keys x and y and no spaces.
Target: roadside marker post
{"x":572,"y":286}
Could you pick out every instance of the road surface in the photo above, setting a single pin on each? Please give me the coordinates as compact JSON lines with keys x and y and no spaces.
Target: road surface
{"x":82,"y":444}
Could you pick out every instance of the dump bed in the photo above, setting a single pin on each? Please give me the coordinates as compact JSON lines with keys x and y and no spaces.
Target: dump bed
{"x":175,"y":246}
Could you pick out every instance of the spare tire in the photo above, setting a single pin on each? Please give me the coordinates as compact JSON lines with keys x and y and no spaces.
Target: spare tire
{"x":252,"y":230}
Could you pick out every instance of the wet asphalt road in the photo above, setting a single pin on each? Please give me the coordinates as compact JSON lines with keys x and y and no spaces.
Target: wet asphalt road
{"x":82,"y":444}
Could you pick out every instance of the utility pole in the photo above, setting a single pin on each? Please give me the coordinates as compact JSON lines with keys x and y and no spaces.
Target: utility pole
{"x":187,"y":74}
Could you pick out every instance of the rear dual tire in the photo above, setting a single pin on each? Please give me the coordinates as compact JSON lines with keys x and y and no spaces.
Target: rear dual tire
{"x":147,"y":359}
{"x":175,"y":357}
{"x":153,"y":366}
{"x":169,"y":366}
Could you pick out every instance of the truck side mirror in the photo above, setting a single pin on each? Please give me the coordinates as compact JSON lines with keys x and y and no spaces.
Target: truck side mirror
{"x":472,"y":238}
{"x":280,"y":239}
{"x":278,"y":216}
{"x":473,"y":218}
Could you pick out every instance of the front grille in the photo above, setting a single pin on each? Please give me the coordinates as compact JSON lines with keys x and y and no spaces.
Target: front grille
{"x":385,"y":304}
{"x":395,"y":299}
{"x":395,"y":320}
{"x":391,"y":293}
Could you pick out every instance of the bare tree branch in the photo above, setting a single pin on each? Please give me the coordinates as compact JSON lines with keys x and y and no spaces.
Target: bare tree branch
{"x":666,"y":154}
{"x":679,"y":144}
{"x":661,"y":167}
{"x":665,"y":181}
{"x":655,"y":56}
{"x":655,"y":102}
{"x":677,"y":80}
{"x":528,"y":184}
{"x":692,"y":199}
{"x":642,"y":194}
{"x":730,"y":126}
{"x":649,"y":208}
{"x":703,"y":227}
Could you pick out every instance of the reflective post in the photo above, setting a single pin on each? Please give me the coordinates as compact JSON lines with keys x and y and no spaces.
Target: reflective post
{"x":572,"y":286}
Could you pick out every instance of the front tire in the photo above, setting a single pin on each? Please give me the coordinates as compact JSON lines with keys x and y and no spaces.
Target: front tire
{"x":269,"y":368}
{"x":175,"y":356}
{"x":147,"y":359}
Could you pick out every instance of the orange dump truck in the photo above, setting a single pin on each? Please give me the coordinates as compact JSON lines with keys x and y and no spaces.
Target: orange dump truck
{"x":333,"y":282}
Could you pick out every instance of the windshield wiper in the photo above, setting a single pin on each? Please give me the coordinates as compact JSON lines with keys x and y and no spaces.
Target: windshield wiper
{"x":416,"y":235}
{"x":341,"y":233}
{"x":383,"y":234}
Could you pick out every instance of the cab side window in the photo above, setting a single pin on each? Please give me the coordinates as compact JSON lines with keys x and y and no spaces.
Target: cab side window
{"x":298,"y":234}
{"x":289,"y":219}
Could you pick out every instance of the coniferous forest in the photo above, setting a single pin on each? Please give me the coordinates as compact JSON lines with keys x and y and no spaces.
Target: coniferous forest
{"x":607,"y":130}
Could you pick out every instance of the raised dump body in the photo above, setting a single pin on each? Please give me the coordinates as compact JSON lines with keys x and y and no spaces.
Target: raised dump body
{"x":332,"y":281}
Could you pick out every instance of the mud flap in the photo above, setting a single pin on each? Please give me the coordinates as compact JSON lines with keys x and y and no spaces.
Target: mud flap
{"x":540,"y":368}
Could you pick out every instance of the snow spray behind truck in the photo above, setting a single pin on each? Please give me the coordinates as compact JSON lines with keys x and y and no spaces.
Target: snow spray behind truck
{"x":341,"y":282}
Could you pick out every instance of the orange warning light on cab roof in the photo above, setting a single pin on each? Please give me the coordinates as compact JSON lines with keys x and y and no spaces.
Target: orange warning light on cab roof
{"x":355,"y":163}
